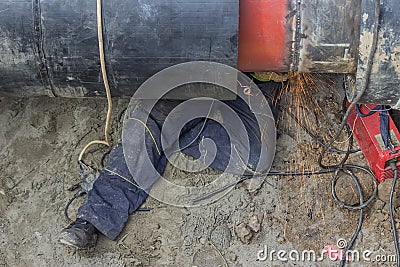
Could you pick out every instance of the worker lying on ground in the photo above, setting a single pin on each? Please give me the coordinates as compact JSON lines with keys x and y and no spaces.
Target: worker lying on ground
{"x":114,"y":195}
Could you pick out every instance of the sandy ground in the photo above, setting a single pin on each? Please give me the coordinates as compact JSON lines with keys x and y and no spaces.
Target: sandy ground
{"x":40,"y":139}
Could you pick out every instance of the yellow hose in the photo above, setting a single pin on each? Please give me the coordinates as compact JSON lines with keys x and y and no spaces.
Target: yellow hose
{"x":106,"y":85}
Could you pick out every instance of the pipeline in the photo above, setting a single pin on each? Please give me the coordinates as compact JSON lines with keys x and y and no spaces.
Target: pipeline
{"x":49,"y":47}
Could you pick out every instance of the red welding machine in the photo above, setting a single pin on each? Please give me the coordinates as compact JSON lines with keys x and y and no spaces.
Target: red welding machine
{"x":378,"y":138}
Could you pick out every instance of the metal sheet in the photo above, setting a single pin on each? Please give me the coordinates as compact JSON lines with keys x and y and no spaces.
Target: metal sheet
{"x":384,"y":81}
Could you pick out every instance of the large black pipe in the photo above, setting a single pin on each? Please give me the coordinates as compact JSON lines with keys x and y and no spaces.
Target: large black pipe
{"x":49,"y":47}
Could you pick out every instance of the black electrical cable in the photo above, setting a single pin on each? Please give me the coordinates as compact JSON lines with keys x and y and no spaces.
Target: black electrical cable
{"x":251,"y":176}
{"x":223,"y":188}
{"x":299,"y":173}
{"x":392,"y":221}
{"x":313,"y":136}
{"x":77,"y":195}
{"x":347,"y":170}
{"x":364,"y":86}
{"x":354,"y":101}
{"x":334,"y":168}
{"x":360,"y":218}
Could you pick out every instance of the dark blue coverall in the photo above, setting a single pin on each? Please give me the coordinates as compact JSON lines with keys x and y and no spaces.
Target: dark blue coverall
{"x":112,"y":199}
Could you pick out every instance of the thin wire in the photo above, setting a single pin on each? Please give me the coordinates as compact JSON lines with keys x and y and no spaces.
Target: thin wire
{"x":313,"y":136}
{"x":375,"y":110}
{"x":392,"y":221}
{"x":151,"y":134}
{"x":201,"y":130}
{"x":124,"y":178}
{"x":107,"y":141}
{"x":246,"y":167}
{"x":223,"y":188}
{"x":351,"y":132}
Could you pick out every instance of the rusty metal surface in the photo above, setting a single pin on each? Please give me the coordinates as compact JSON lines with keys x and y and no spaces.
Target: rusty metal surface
{"x":383,"y":85}
{"x":299,"y":35}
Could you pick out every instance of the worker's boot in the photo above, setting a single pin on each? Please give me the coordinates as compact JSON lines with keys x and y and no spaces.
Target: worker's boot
{"x":79,"y":234}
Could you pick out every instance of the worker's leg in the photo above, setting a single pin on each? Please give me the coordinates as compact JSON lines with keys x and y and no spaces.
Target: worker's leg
{"x":231,"y":143}
{"x":108,"y":205}
{"x":114,"y":195}
{"x":243,"y":148}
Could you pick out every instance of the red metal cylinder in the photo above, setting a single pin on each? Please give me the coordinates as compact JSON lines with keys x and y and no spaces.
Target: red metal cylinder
{"x":262,"y":35}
